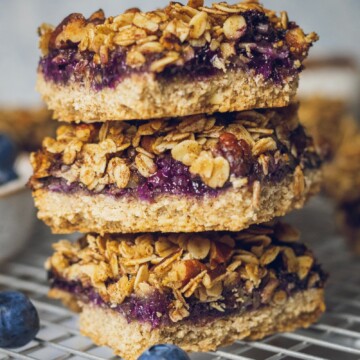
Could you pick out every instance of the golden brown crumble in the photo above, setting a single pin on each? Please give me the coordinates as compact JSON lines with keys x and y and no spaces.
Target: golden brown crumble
{"x":98,"y":155}
{"x":173,"y":32}
{"x":200,"y":265}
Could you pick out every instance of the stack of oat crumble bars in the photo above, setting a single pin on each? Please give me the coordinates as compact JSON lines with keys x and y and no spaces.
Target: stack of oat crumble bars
{"x":182,"y":146}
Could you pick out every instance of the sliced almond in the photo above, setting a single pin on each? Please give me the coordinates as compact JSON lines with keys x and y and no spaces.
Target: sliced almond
{"x":305,"y":265}
{"x":164,"y":247}
{"x":198,"y":25}
{"x":220,"y":173}
{"x":150,"y":47}
{"x":268,"y":291}
{"x":159,"y":65}
{"x":143,"y":22}
{"x":234,"y":27}
{"x":135,"y":58}
{"x":119,"y":172}
{"x":142,"y":275}
{"x":198,"y":247}
{"x":269,"y":255}
{"x":216,"y":290}
{"x":264,"y":145}
{"x":191,"y":286}
{"x":226,"y":8}
{"x":165,"y":263}
{"x":203,"y":165}
{"x":290,"y":260}
{"x":145,"y":165}
{"x":186,"y":152}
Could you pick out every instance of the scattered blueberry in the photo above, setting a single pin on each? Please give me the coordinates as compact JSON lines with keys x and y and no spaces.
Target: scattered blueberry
{"x":164,"y":352}
{"x":19,"y":320}
{"x":8,"y":152}
{"x":7,"y":176}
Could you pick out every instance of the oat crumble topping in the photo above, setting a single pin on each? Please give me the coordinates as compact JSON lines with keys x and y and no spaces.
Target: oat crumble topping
{"x":222,"y":35}
{"x":217,"y":151}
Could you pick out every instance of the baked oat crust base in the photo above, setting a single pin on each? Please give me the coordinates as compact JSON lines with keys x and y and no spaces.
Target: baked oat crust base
{"x":143,"y":97}
{"x":231,"y":210}
{"x":129,"y":340}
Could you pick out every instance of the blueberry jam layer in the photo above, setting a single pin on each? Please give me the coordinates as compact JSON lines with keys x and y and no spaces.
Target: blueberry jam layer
{"x":171,"y":177}
{"x":174,"y":178}
{"x":154,"y":308}
{"x":255,"y":51}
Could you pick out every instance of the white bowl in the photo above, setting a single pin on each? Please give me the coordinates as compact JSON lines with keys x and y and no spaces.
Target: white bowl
{"x":17,"y":211}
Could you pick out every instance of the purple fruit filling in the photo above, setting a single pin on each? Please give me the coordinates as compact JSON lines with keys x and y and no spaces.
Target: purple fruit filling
{"x":171,"y":177}
{"x":152,"y":309}
{"x":255,"y":51}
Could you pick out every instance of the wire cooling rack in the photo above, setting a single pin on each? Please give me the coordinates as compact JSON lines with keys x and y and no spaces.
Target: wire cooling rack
{"x":336,"y":336}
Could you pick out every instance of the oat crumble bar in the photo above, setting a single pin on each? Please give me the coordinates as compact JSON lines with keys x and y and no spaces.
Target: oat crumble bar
{"x":210,"y":172}
{"x":176,"y":61}
{"x":199,"y":291}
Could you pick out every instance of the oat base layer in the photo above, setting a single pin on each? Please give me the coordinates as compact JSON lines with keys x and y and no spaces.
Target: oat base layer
{"x":144,"y":97}
{"x":107,"y":327}
{"x":232,"y":210}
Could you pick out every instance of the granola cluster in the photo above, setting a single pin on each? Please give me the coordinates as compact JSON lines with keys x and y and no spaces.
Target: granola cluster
{"x":171,"y":36}
{"x":219,"y":149}
{"x":190,"y":266}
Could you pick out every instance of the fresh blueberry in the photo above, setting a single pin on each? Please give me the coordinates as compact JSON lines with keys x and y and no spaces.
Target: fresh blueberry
{"x":7,"y":176}
{"x":164,"y":352}
{"x":19,"y":320}
{"x":8,"y":152}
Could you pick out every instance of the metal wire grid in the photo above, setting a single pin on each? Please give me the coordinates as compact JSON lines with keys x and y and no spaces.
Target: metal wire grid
{"x":335,"y":337}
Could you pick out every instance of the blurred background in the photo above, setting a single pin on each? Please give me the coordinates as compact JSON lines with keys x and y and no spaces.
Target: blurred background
{"x":337,"y":23}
